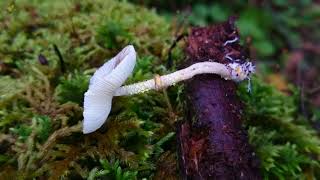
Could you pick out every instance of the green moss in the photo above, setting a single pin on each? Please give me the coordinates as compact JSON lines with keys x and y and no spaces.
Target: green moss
{"x":112,"y":34}
{"x":65,"y":91}
{"x":287,"y":146}
{"x":41,"y":103}
{"x":22,"y":131}
{"x":112,"y":171}
{"x":43,"y":127}
{"x":9,"y":88}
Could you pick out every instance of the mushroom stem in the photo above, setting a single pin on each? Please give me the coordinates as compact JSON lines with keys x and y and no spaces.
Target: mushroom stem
{"x":175,"y":77}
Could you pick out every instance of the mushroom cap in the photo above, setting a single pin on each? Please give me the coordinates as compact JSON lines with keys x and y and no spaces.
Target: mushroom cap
{"x":103,"y":84}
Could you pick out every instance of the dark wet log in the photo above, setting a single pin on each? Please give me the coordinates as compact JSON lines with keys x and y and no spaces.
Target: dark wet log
{"x":212,"y":142}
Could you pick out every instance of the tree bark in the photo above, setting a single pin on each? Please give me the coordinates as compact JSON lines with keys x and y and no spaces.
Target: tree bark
{"x":212,"y":142}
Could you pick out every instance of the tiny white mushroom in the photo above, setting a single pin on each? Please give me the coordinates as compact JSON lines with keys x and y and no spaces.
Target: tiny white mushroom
{"x":103,"y":84}
{"x":107,"y":80}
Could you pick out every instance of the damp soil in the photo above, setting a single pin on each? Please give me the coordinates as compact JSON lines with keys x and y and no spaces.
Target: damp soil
{"x":212,"y":141}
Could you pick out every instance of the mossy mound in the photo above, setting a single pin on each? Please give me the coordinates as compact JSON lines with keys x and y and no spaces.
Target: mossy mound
{"x":285,"y":142}
{"x":41,"y":98}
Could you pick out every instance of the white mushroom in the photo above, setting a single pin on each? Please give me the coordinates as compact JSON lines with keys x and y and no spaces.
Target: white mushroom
{"x":107,"y":80}
{"x":103,"y":84}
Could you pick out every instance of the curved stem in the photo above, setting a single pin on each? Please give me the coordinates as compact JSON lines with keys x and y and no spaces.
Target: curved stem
{"x":175,"y":77}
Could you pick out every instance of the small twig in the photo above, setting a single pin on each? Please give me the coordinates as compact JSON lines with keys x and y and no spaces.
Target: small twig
{"x":302,"y":91}
{"x":169,"y":60}
{"x":182,"y":22}
{"x":62,"y":65}
{"x":177,"y":39}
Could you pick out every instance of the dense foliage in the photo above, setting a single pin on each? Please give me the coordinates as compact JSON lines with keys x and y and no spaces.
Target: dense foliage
{"x":41,"y":97}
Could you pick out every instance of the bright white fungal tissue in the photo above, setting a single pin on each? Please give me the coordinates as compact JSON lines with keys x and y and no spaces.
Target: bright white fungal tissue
{"x":107,"y":80}
{"x":103,"y":84}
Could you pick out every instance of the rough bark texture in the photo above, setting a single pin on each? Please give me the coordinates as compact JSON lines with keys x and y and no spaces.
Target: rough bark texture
{"x":213,"y":144}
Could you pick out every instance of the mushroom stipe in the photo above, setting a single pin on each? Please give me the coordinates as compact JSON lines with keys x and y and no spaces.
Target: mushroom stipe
{"x":107,"y":80}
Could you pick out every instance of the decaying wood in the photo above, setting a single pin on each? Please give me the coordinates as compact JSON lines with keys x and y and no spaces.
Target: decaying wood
{"x":212,"y":142}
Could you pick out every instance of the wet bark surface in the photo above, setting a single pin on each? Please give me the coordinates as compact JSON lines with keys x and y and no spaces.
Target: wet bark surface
{"x":212,"y":142}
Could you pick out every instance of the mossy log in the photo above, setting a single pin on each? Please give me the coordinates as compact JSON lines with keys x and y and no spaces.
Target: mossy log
{"x":212,"y":142}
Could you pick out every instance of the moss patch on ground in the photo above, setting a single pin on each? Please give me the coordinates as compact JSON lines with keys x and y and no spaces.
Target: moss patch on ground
{"x":41,"y":98}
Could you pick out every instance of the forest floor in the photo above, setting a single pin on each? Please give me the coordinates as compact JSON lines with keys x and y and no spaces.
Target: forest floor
{"x":50,"y":49}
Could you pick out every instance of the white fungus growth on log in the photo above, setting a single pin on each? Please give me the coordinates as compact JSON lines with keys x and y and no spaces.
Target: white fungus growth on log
{"x":107,"y":80}
{"x":231,"y":41}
